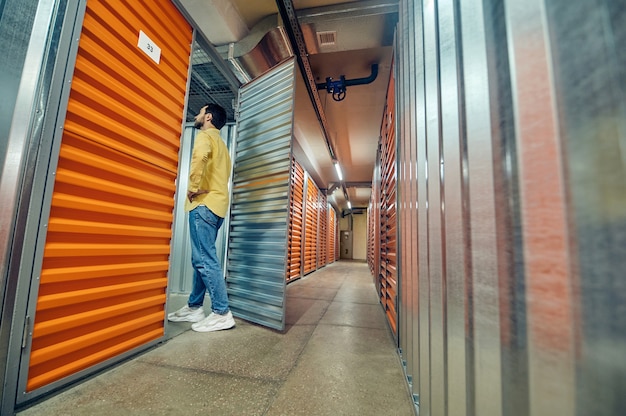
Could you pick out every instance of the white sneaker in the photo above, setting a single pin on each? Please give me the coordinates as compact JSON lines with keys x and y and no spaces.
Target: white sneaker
{"x":187,"y":314}
{"x":214,"y":322}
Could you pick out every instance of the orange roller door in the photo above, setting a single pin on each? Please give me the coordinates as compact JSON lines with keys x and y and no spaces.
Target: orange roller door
{"x":388,"y":229}
{"x":295,"y":228}
{"x":103,"y":282}
{"x":333,"y":255}
{"x":311,"y":224}
{"x":323,"y":230}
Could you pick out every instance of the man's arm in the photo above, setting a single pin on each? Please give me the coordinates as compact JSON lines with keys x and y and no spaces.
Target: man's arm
{"x":199,"y":159}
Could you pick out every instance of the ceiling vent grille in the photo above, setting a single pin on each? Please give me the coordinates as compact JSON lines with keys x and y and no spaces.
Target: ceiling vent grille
{"x":327,"y":38}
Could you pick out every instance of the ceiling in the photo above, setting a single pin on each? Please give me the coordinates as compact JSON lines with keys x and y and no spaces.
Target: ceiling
{"x":363,"y":36}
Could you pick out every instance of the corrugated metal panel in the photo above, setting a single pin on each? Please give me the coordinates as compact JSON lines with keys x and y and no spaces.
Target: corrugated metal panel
{"x":295,"y":225}
{"x":104,"y":274}
{"x":405,"y":85}
{"x":550,"y":286}
{"x":422,"y":315}
{"x":455,"y":233}
{"x":436,"y":223}
{"x":512,"y":206}
{"x":582,"y":334}
{"x":257,"y":254}
{"x":482,"y":172}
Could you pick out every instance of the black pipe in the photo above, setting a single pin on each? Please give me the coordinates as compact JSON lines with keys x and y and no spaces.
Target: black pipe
{"x":356,"y":81}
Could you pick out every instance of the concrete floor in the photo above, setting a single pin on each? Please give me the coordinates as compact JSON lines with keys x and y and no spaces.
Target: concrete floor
{"x":336,"y":357}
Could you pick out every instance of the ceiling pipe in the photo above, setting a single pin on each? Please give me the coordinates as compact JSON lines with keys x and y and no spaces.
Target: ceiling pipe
{"x":338,"y":87}
{"x":349,"y":82}
{"x":287,"y":13}
{"x":294,"y":32}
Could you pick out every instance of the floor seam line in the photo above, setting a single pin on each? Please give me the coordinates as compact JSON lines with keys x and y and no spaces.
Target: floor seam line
{"x":297,"y":360}
{"x":200,"y":371}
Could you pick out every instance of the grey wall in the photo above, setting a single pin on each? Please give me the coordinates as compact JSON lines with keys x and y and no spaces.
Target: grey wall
{"x":21,"y":66}
{"x":512,"y":206}
{"x":16,"y":20}
{"x":35,"y":43}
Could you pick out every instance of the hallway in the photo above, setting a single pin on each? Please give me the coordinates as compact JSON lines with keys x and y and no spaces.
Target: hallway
{"x":336,"y":357}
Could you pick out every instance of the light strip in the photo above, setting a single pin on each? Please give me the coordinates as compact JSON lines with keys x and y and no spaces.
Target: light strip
{"x":338,"y":169}
{"x":349,"y":205}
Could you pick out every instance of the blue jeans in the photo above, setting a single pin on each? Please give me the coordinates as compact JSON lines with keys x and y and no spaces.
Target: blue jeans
{"x":207,"y":275}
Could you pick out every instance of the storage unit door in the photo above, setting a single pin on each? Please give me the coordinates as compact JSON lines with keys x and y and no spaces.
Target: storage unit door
{"x":332,"y":235}
{"x":295,"y":226}
{"x":388,"y":245}
{"x":259,"y":218}
{"x":102,"y":287}
{"x":323,"y":233}
{"x":311,"y":219}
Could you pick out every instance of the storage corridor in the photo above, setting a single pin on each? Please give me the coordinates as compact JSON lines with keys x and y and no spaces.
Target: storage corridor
{"x":336,"y":357}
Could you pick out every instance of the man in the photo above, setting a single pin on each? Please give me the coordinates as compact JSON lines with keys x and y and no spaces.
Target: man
{"x":207,"y":204}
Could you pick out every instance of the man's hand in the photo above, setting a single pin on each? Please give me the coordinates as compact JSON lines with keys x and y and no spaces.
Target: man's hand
{"x":192,"y":195}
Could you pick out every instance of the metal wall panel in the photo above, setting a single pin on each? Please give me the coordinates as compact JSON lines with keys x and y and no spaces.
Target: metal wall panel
{"x":484,"y":269}
{"x":16,"y":21}
{"x":405,"y":324}
{"x":181,"y":269}
{"x":422,"y":314}
{"x":101,"y":290}
{"x":545,"y":235}
{"x":456,"y":216}
{"x":436,"y":224}
{"x":511,"y":115}
{"x":416,"y":115}
{"x":259,"y":221}
{"x":587,"y":62}
{"x":407,"y":211}
{"x":30,"y":89}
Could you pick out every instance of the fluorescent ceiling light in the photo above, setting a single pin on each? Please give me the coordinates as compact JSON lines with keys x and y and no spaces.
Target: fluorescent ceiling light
{"x":338,"y":169}
{"x":349,"y":205}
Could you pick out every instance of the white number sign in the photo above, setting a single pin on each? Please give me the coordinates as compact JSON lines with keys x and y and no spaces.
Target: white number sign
{"x":149,"y":47}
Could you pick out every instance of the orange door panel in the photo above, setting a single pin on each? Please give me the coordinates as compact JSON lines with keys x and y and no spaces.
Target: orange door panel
{"x":103,"y":282}
{"x":332,"y":236}
{"x":295,"y":229}
{"x":388,"y":230}
{"x":311,"y":215}
{"x":323,"y":230}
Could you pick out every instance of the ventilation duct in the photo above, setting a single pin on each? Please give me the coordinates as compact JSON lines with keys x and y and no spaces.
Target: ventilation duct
{"x":268,"y":43}
{"x":327,"y":38}
{"x":265,"y":47}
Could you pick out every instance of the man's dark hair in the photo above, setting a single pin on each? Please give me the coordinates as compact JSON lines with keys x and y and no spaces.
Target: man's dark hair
{"x":218,"y":113}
